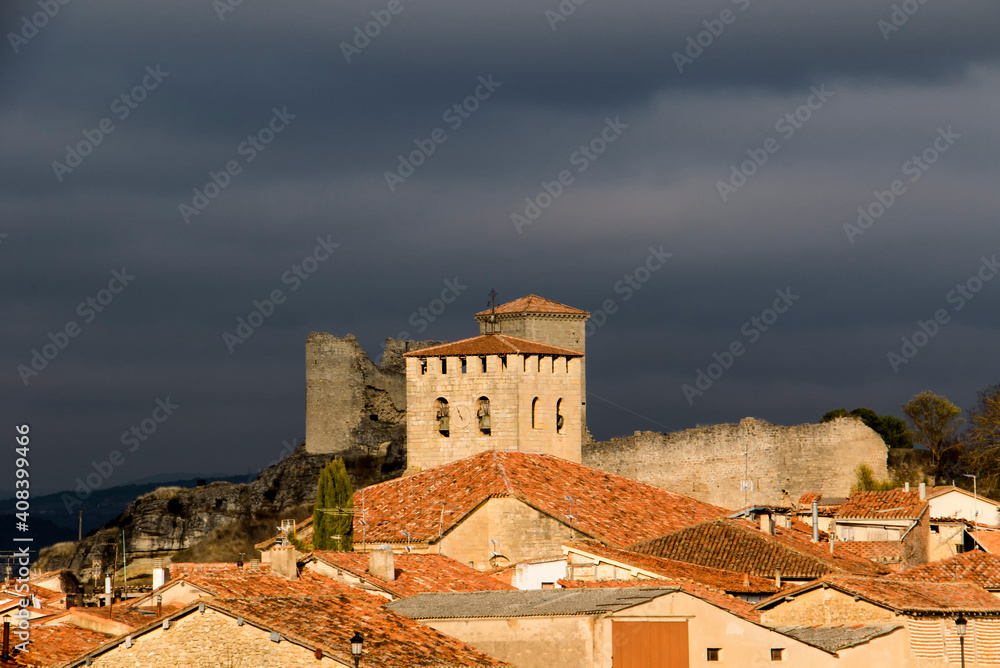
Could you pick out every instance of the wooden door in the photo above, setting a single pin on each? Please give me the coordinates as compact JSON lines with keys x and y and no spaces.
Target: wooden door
{"x":649,"y":644}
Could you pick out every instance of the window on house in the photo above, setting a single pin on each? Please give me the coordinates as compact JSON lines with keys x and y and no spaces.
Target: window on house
{"x":442,"y":416}
{"x":553,"y":365}
{"x":539,"y":364}
{"x":444,"y":365}
{"x":482,"y":359}
{"x":713,"y":654}
{"x":423,"y":366}
{"x":463,"y":365}
{"x":483,"y":413}
{"x":534,"y":413}
{"x":776,"y":653}
{"x":559,"y":417}
{"x":503,"y":362}
{"x":548,"y":585}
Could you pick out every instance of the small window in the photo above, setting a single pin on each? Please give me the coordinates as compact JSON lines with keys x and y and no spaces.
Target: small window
{"x":548,"y":585}
{"x":503,"y":362}
{"x":534,"y":413}
{"x":553,"y":365}
{"x":559,"y":417}
{"x":423,"y":366}
{"x":539,"y":364}
{"x":483,"y":360}
{"x":463,"y":365}
{"x":443,"y":416}
{"x":776,"y":653}
{"x":713,"y":654}
{"x":444,"y":365}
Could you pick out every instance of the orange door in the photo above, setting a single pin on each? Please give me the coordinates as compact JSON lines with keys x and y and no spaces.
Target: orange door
{"x":649,"y":644}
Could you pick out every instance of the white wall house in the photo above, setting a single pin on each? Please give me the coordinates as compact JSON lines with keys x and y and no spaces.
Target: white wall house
{"x":950,"y":501}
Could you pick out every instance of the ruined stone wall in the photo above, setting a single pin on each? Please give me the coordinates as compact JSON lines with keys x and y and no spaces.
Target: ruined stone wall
{"x":354,"y":406}
{"x":781,"y":463}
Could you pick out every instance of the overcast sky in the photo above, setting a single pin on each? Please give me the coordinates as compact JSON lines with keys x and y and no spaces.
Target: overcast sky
{"x":839,"y":97}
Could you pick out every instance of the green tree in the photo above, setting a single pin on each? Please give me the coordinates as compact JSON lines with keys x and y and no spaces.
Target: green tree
{"x":865,"y":481}
{"x":933,"y":424}
{"x":983,"y":456}
{"x":333,"y":515}
{"x":892,"y":430}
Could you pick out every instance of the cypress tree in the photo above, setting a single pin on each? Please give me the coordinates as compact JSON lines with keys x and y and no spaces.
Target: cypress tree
{"x":334,"y":493}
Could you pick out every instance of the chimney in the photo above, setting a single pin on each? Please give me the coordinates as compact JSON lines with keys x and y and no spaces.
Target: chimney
{"x":906,"y":487}
{"x":283,"y":562}
{"x":777,"y":578}
{"x":815,"y":521}
{"x":382,"y":563}
{"x":746,"y":579}
{"x":158,"y":578}
{"x":923,"y":491}
{"x":765,"y":523}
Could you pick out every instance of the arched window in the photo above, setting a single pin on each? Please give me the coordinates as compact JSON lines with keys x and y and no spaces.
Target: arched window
{"x":483,"y":413}
{"x":443,"y":416}
{"x":559,"y":417}
{"x":534,"y":413}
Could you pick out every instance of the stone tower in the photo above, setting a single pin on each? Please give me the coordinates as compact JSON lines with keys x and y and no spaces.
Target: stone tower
{"x":492,"y":392}
{"x":538,"y":319}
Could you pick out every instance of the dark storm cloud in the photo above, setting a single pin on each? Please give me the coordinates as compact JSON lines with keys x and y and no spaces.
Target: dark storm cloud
{"x":324,"y":176}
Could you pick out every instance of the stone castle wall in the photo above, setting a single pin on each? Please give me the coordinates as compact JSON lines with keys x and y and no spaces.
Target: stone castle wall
{"x":782,"y":463}
{"x":354,"y":406}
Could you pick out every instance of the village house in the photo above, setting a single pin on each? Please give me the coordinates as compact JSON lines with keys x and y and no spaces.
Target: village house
{"x":498,"y":507}
{"x":927,"y":610}
{"x":654,"y":627}
{"x":948,"y":501}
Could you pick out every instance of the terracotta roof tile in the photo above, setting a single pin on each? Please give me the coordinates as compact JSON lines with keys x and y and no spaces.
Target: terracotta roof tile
{"x":613,"y":509}
{"x":736,"y":545}
{"x":989,"y":540}
{"x":415,"y":573}
{"x":727,"y":581}
{"x":906,"y":597}
{"x":894,"y":504}
{"x":981,"y":568}
{"x":534,"y":304}
{"x":879,"y":551}
{"x":493,"y":344}
{"x":53,"y":645}
{"x":720,"y":599}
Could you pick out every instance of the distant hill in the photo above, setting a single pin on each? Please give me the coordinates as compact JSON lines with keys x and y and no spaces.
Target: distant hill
{"x":51,"y":523}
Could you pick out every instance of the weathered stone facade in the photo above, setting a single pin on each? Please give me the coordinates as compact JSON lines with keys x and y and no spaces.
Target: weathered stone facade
{"x":753,"y":462}
{"x":354,"y":406}
{"x":525,"y":394}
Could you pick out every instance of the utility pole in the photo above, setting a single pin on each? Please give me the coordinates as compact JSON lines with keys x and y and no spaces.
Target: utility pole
{"x":79,"y":535}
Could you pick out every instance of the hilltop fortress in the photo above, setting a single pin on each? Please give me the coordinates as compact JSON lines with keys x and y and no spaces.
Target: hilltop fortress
{"x":521,"y":385}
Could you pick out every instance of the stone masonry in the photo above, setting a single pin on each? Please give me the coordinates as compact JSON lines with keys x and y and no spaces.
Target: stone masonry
{"x":753,"y":462}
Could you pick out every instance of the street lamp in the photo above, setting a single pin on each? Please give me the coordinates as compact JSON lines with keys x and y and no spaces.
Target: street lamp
{"x":960,"y":625}
{"x":356,"y":642}
{"x":6,"y":637}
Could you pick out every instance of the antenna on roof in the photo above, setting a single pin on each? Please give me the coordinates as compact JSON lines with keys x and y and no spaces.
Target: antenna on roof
{"x":492,"y":322}
{"x":407,"y":534}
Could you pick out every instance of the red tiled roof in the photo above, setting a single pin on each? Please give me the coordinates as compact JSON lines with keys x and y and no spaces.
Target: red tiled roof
{"x":183,"y":568}
{"x":879,"y":551}
{"x":720,"y":599}
{"x":909,"y":597}
{"x":493,"y":344}
{"x":989,"y":540}
{"x":611,"y":508}
{"x":981,"y":568}
{"x":415,"y":573}
{"x":246,"y":584}
{"x":736,"y":545}
{"x":53,"y":645}
{"x":894,"y":504}
{"x":728,"y":581}
{"x":534,"y":304}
